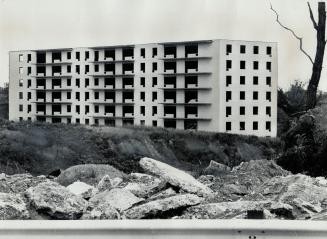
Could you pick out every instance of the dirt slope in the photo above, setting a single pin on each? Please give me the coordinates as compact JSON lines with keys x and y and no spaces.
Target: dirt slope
{"x":40,"y":148}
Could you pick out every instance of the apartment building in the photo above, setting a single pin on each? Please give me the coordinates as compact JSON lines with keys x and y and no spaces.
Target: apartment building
{"x":210,"y":85}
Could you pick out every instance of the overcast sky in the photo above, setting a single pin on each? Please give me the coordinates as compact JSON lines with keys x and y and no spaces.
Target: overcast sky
{"x":35,"y":24}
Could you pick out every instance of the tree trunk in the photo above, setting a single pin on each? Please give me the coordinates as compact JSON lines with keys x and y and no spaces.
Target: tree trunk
{"x":317,"y":64}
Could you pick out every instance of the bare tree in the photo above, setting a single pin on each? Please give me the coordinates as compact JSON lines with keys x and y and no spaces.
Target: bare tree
{"x":317,"y":62}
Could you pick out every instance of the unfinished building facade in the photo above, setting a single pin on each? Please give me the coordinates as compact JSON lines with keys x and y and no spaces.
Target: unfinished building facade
{"x":210,"y":85}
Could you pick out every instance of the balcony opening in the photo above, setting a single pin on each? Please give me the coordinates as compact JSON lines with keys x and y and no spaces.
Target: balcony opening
{"x":96,"y":95}
{"x":109,"y":68}
{"x":169,"y":96}
{"x":87,"y":109}
{"x":170,"y":111}
{"x":128,"y":68}
{"x":228,"y":49}
{"x":268,"y":80}
{"x":268,"y":125}
{"x":87,"y":96}
{"x":255,"y":49}
{"x":128,"y":122}
{"x":40,"y":71}
{"x":154,"y":96}
{"x":154,"y":52}
{"x":242,"y":95}
{"x":109,"y":110}
{"x":268,"y":96}
{"x":56,"y":57}
{"x":170,"y":82}
{"x":29,"y":58}
{"x":109,"y":54}
{"x":142,"y":110}
{"x":87,"y":82}
{"x":142,"y":67}
{"x":242,"y":110}
{"x":191,"y":111}
{"x":40,"y":95}
{"x":40,"y":83}
{"x":96,"y":68}
{"x":142,"y":95}
{"x":128,"y":53}
{"x":128,"y":82}
{"x":128,"y":96}
{"x":96,"y":81}
{"x":228,"y":80}
{"x":242,"y":125}
{"x":142,"y":81}
{"x":170,"y":67}
{"x":77,"y":96}
{"x":142,"y":52}
{"x":56,"y":96}
{"x":191,"y":81}
{"x":191,"y":96}
{"x":228,"y":126}
{"x":268,"y":50}
{"x":96,"y":109}
{"x":228,"y":96}
{"x":87,"y":55}
{"x":109,"y":122}
{"x":69,"y":55}
{"x":170,"y":51}
{"x":77,"y":69}
{"x":56,"y":70}
{"x":56,"y":83}
{"x":242,"y":80}
{"x":242,"y":65}
{"x":96,"y":56}
{"x":191,"y":66}
{"x":109,"y":82}
{"x":87,"y":69}
{"x":40,"y":108}
{"x":242,"y":49}
{"x":228,"y":111}
{"x":77,"y":109}
{"x":191,"y":50}
{"x":40,"y":57}
{"x":154,"y":81}
{"x":268,"y":65}
{"x":170,"y":123}
{"x":191,"y":124}
{"x":268,"y":110}
{"x":77,"y":55}
{"x":154,"y":110}
{"x":110,"y":96}
{"x":154,"y":66}
{"x":228,"y":65}
{"x":56,"y":108}
{"x":40,"y":118}
{"x":128,"y":111}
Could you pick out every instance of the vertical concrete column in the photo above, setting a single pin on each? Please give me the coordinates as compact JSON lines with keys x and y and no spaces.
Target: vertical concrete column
{"x":119,"y":54}
{"x":180,"y":51}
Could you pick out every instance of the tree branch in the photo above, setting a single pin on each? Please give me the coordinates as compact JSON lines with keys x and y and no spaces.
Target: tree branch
{"x":293,"y":33}
{"x":315,"y":25}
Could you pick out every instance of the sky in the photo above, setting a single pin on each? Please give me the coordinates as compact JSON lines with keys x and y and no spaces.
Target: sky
{"x":41,"y":24}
